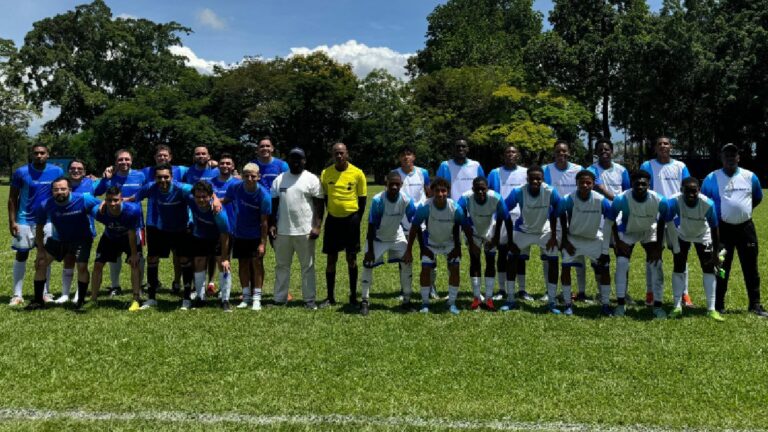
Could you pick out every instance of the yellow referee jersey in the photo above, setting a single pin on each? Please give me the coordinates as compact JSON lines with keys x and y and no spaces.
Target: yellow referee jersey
{"x":343,"y":188}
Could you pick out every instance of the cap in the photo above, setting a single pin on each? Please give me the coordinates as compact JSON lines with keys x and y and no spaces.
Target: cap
{"x":729,"y":147}
{"x":297,"y":151}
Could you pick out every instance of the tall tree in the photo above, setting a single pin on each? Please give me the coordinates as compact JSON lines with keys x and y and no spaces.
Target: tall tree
{"x":15,"y":112}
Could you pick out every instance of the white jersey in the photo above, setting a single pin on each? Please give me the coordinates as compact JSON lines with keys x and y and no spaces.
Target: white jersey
{"x":615,"y":178}
{"x":585,"y":217}
{"x":735,"y":195}
{"x":503,"y":181}
{"x":564,"y":181}
{"x":440,"y":222}
{"x":666,"y":179}
{"x":636,"y":216}
{"x":386,"y":216}
{"x":414,"y":184}
{"x":693,"y":223}
{"x":534,"y":210}
{"x":460,"y":176}
{"x":296,"y":192}
{"x":483,"y":217}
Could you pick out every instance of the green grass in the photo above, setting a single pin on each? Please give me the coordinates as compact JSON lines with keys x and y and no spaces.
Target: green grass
{"x":522,"y":366}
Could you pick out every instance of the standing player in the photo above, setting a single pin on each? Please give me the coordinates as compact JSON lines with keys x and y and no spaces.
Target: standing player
{"x":611,"y":178}
{"x":736,"y":192}
{"x":252,"y":205}
{"x":269,"y":166}
{"x":484,"y":213}
{"x":639,"y":211}
{"x":385,"y":235}
{"x":460,"y":170}
{"x":122,"y":221}
{"x":443,"y":218}
{"x":502,"y":180}
{"x":71,"y":233}
{"x":667,"y":175}
{"x":220,"y":185}
{"x":538,"y":206}
{"x":345,"y":190}
{"x":696,"y":222}
{"x":30,"y":187}
{"x":586,"y":235}
{"x":201,"y":169}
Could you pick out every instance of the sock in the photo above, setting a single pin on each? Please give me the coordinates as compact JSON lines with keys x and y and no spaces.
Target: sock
{"x":257,"y":294}
{"x":657,"y":276}
{"x":406,"y":281}
{"x":622,"y":267}
{"x":114,"y":273}
{"x":649,"y":279}
{"x":39,"y":290}
{"x":353,"y":284}
{"x":82,"y":291}
{"x":425,"y":294}
{"x":433,"y":276}
{"x":225,"y":285}
{"x":330,"y":282}
{"x":566,"y":294}
{"x":678,"y":286}
{"x":152,"y":277}
{"x":66,"y":280}
{"x":188,"y":278}
{"x":19,"y":269}
{"x":47,"y":288}
{"x":502,"y":277}
{"x":489,"y":284}
{"x":545,"y":270}
{"x":685,"y":277}
{"x":365,"y":283}
{"x":246,"y":294}
{"x":709,"y":289}
{"x":200,"y":284}
{"x":511,"y":291}
{"x":453,"y":292}
{"x":605,"y":294}
{"x":552,"y":292}
{"x":581,"y":279}
{"x":521,"y":282}
{"x":475,"y":286}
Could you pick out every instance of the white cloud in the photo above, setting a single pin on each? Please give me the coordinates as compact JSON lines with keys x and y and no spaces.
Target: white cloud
{"x":126,"y":16}
{"x":208,"y":18}
{"x":202,"y":65}
{"x":362,"y":57}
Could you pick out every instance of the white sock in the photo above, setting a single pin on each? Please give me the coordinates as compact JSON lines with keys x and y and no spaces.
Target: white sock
{"x":490,"y":282}
{"x":114,"y":273}
{"x":709,"y":289}
{"x":453,"y":292}
{"x":406,"y":281}
{"x":257,"y":294}
{"x":567,"y":294}
{"x":475,"y":286}
{"x":511,"y":291}
{"x":47,"y":281}
{"x":581,"y":279}
{"x":552,"y":292}
{"x":657,"y":275}
{"x":66,"y":280}
{"x":425,"y":294}
{"x":622,"y":267}
{"x":605,"y":294}
{"x":521,"y":282}
{"x":678,"y":286}
{"x":19,"y":269}
{"x":246,"y":294}
{"x":433,"y":278}
{"x":685,"y":275}
{"x":225,"y":285}
{"x":365,"y":282}
{"x":649,"y":279}
{"x":200,"y":284}
{"x":502,"y":277}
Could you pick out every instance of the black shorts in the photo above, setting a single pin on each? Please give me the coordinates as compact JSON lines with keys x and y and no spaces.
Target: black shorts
{"x":202,"y":247}
{"x":110,"y":249}
{"x":160,"y":243}
{"x":245,"y":248}
{"x":342,"y":234}
{"x":59,"y":249}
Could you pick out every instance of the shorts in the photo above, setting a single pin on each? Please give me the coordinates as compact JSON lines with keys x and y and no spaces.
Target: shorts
{"x":587,"y":248}
{"x":110,"y":249}
{"x":25,"y":241}
{"x":513,"y":216}
{"x":59,"y":249}
{"x":394,"y":250}
{"x":438,"y":250}
{"x":160,"y":243}
{"x":342,"y":234}
{"x":203,"y":247}
{"x":648,"y":236}
{"x":483,"y":242}
{"x":245,"y":248}
{"x":524,"y":241}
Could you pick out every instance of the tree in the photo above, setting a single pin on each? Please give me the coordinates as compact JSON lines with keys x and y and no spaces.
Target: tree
{"x":15,"y":113}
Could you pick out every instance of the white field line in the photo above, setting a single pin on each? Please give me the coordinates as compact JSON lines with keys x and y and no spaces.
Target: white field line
{"x":317,"y":420}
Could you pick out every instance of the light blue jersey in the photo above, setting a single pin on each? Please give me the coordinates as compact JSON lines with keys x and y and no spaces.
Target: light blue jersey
{"x":585,"y":217}
{"x":693,"y":223}
{"x":440,"y":221}
{"x":34,"y":188}
{"x":636,"y":216}
{"x":129,"y":184}
{"x":207,"y":224}
{"x":734,"y":196}
{"x":615,"y":178}
{"x":460,"y":177}
{"x":666,"y":179}
{"x":535,"y":210}
{"x":386,"y":216}
{"x":71,"y":221}
{"x":483,"y":217}
{"x":563,"y":181}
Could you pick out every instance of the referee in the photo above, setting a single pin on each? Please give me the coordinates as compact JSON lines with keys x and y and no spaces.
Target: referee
{"x":736,"y":191}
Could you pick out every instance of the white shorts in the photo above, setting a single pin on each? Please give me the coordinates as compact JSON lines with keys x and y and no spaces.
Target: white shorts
{"x":586,"y":248}
{"x":503,"y":237}
{"x":438,"y":250}
{"x":482,"y":243}
{"x":648,"y":236}
{"x":524,"y":241}
{"x":25,"y":240}
{"x":394,"y":250}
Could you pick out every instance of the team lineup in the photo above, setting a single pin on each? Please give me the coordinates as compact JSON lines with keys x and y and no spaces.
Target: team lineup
{"x":202,"y":216}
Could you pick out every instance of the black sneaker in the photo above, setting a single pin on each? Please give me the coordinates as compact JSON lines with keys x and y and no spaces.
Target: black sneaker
{"x":79,"y":307}
{"x":198,"y":303}
{"x":311,"y":305}
{"x":327,"y":303}
{"x":364,"y":308}
{"x":353,"y":301}
{"x":524,"y":296}
{"x":759,"y":311}
{"x":33,"y":306}
{"x":582,"y":298}
{"x":175,"y":287}
{"x":115,"y":291}
{"x":406,"y":307}
{"x":226,"y":307}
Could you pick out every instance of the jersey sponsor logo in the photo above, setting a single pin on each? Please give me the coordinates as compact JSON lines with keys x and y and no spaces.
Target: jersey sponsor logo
{"x":169,"y":203}
{"x":69,"y":213}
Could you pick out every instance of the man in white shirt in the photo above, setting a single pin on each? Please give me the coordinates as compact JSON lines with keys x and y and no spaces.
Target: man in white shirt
{"x":297,"y":213}
{"x":460,"y":170}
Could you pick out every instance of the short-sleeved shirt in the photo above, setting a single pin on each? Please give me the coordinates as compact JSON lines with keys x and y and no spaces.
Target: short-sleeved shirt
{"x":177,"y":172}
{"x":34,"y":188}
{"x":666,"y":179}
{"x":248,"y":208}
{"x":563,"y":181}
{"x":118,"y":226}
{"x":585,"y":217}
{"x":220,"y":188}
{"x":386,"y":215}
{"x":460,"y":177}
{"x":636,"y":216}
{"x":195,"y":174}
{"x":535,"y":210}
{"x":483,"y":217}
{"x":440,"y":221}
{"x":615,"y":178}
{"x":206,"y":223}
{"x":414,"y":183}
{"x":735,"y":195}
{"x":693,"y":223}
{"x":295,"y":210}
{"x":269,"y":171}
{"x":86,"y":185}
{"x":342,"y":188}
{"x":166,"y":211}
{"x":71,"y":221}
{"x":129,"y":184}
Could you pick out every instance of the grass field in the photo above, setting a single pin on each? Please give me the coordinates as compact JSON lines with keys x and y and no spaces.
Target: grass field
{"x":293,"y":369}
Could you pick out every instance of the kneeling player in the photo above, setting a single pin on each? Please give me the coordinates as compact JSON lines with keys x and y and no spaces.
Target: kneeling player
{"x":443,"y":218}
{"x":697,"y":224}
{"x":585,"y":218}
{"x":385,"y":235}
{"x":484,"y":212}
{"x":121,"y":221}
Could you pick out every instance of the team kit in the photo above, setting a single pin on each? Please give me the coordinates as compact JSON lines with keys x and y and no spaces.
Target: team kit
{"x":203,"y":216}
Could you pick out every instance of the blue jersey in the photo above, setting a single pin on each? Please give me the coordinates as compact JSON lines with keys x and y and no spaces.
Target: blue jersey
{"x":128,"y":184}
{"x":207,"y":224}
{"x":118,"y":226}
{"x":34,"y":188}
{"x":220,"y":189}
{"x":269,"y":171}
{"x":177,"y":171}
{"x":195,"y":174}
{"x":248,"y":207}
{"x":71,"y":221}
{"x":86,"y":186}
{"x":166,"y":211}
